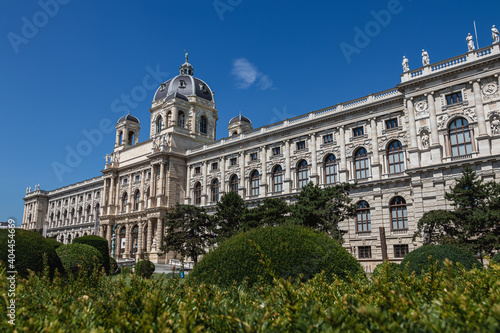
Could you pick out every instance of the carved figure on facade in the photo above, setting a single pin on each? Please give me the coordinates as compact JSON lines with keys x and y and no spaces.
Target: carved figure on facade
{"x":471,"y":113}
{"x":490,"y":90}
{"x":425,"y":58}
{"x":495,"y":125}
{"x":442,"y":121}
{"x":421,"y":109}
{"x":107,"y":159}
{"x":406,"y":66}
{"x":494,"y":35}
{"x":470,"y":42}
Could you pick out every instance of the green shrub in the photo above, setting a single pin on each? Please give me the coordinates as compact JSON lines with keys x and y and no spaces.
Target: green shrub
{"x":112,"y":265}
{"x":418,"y":260}
{"x":101,"y":244}
{"x":54,"y":242}
{"x":496,"y":257}
{"x":381,"y":268}
{"x":83,"y":255}
{"x":144,"y":268}
{"x":29,"y":249}
{"x":125,"y":270}
{"x":293,"y":251}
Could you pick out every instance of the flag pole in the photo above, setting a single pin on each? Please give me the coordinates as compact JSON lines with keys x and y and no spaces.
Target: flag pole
{"x":475,"y":30}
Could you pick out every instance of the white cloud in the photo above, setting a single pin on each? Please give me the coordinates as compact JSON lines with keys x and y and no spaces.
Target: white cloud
{"x":247,"y":74}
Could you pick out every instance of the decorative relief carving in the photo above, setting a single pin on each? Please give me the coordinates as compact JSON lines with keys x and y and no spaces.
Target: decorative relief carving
{"x":471,"y":113}
{"x":421,"y":109}
{"x":442,"y":121}
{"x":489,"y":89}
{"x":494,"y":117}
{"x":424,"y":136}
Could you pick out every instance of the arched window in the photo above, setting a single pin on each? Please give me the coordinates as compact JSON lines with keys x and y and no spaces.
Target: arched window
{"x":277,"y":178}
{"x":235,"y":133}
{"x":214,"y":189}
{"x":363,"y":220}
{"x":121,"y":138}
{"x":254,"y":182}
{"x":159,"y":125}
{"x":88,"y":213}
{"x":122,"y":239}
{"x":197,"y":193}
{"x":131,"y":138}
{"x":181,"y":120}
{"x":233,"y":184}
{"x":97,"y":211}
{"x":399,"y":216}
{"x":135,"y":239}
{"x":203,"y":125}
{"x":146,"y":198}
{"x":330,"y":169}
{"x":69,"y":239}
{"x":460,"y":138}
{"x":137,"y":198}
{"x":302,"y":174}
{"x":361,"y":167}
{"x":80,"y":213}
{"x":124,"y":202}
{"x":395,"y":157}
{"x":169,"y":119}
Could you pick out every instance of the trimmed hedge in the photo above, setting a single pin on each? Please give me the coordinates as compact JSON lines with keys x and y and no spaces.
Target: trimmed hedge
{"x":112,"y":265}
{"x":54,"y":242}
{"x":418,"y":260}
{"x":101,"y":244}
{"x":83,"y":255}
{"x":496,"y":257}
{"x":380,"y":270}
{"x":144,"y":268}
{"x":29,"y":249}
{"x":293,"y":251}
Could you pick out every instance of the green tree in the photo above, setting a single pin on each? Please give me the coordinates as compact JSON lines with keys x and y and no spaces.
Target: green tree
{"x":229,"y":216}
{"x":474,"y":224}
{"x":188,"y":231}
{"x":272,"y":212}
{"x":323,"y":209}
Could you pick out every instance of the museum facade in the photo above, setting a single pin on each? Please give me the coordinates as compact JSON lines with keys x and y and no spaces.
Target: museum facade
{"x":404,"y":147}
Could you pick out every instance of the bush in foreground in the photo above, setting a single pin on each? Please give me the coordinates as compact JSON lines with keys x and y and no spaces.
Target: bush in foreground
{"x":393,"y":270}
{"x":496,"y":257}
{"x":144,"y":268}
{"x":29,"y":248}
{"x":83,"y":255}
{"x":112,"y":265}
{"x":54,"y":242}
{"x":293,"y":251}
{"x":418,"y":260}
{"x":101,"y":244}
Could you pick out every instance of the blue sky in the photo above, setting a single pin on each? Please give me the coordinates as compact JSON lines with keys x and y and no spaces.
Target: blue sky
{"x":69,"y":67}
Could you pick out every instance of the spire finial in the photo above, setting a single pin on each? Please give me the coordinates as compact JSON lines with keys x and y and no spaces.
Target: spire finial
{"x":186,"y":55}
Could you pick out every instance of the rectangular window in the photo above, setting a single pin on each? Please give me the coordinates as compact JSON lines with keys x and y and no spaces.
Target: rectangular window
{"x":276,"y":151}
{"x":253,"y":156}
{"x":391,"y":123}
{"x":197,"y":170}
{"x":454,"y":98}
{"x":215,"y":166}
{"x":365,"y":252}
{"x":328,"y":138}
{"x":358,"y":131}
{"x":400,"y":251}
{"x":301,"y":145}
{"x":233,"y":161}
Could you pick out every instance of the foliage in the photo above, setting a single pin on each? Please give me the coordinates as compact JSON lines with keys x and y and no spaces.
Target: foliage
{"x":323,"y":209}
{"x":29,"y":248}
{"x":272,"y":212}
{"x":496,"y":257}
{"x":388,"y":269}
{"x":101,"y":244}
{"x":187,"y":231}
{"x":294,"y":251}
{"x":144,"y":268}
{"x":419,"y":259}
{"x":54,"y":242}
{"x":229,"y":216}
{"x":474,"y":224}
{"x":445,"y":300}
{"x":112,"y":265}
{"x":83,"y":255}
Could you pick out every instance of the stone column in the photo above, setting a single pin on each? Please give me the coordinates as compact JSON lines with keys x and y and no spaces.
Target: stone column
{"x":149,"y":238}
{"x":105,"y":191}
{"x":436,"y":153}
{"x":482,"y":139}
{"x":222,"y":166}
{"x":243,"y":186}
{"x":109,"y":234}
{"x":130,"y":194}
{"x":287,"y":182}
{"x":161,"y":190}
{"x":142,"y":202}
{"x":128,"y":229}
{"x":314,"y":161}
{"x":174,"y":115}
{"x":117,"y":195}
{"x":343,"y":172}
{"x":111,"y":196}
{"x":413,"y":152}
{"x":159,"y":235}
{"x":375,"y":156}
{"x":263,"y":180}
{"x":204,"y":186}
{"x":140,"y":240}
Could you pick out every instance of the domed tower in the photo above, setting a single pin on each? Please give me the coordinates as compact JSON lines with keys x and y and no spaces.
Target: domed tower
{"x":127,"y":132}
{"x":184,"y":105}
{"x":238,"y":125}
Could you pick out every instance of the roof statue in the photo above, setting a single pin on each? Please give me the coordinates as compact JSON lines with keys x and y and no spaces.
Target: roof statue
{"x":406,"y":67}
{"x":470,"y":42}
{"x":494,"y":34}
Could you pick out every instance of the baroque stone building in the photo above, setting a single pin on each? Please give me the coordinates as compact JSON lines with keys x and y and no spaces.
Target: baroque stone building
{"x":404,"y":146}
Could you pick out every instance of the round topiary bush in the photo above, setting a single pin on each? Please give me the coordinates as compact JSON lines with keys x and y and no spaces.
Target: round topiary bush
{"x":418,"y":260}
{"x":144,"y":268}
{"x":54,"y":242}
{"x":29,"y":248}
{"x":112,"y":265}
{"x":293,"y":251}
{"x":380,"y":269}
{"x":101,"y":244}
{"x":83,"y":255}
{"x":496,"y":257}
